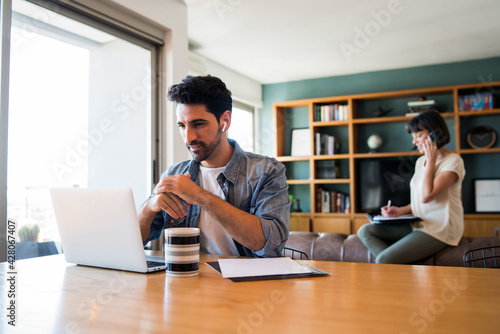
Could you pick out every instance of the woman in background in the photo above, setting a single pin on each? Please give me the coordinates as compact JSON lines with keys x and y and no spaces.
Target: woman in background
{"x":435,"y":197}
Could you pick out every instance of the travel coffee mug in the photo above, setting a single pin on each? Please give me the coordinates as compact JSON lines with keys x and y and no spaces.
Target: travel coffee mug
{"x":182,"y":251}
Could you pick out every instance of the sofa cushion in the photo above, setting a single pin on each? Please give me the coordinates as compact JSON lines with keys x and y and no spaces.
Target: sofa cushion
{"x":328,"y":246}
{"x":302,"y":241}
{"x":349,"y":248}
{"x":355,"y":251}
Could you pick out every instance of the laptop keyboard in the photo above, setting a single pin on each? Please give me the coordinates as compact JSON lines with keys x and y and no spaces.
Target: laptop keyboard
{"x":155,"y":261}
{"x":152,"y":264}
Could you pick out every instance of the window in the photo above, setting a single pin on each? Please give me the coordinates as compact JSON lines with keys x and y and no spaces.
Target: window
{"x":82,"y":113}
{"x":242,"y":126}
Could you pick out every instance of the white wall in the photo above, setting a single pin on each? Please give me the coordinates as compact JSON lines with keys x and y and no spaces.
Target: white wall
{"x":119,"y":118}
{"x":242,"y":88}
{"x":171,"y":15}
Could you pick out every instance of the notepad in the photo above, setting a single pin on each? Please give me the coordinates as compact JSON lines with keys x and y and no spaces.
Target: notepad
{"x":260,"y":267}
{"x":379,"y":219}
{"x":238,"y":270}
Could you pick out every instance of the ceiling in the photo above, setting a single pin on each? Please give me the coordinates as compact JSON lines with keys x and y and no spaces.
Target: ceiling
{"x":285,"y":40}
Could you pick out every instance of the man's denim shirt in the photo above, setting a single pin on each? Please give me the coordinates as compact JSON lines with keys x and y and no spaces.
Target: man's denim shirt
{"x":253,"y":183}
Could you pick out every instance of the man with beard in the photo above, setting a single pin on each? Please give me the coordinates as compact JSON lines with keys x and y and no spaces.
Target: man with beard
{"x":239,"y":200}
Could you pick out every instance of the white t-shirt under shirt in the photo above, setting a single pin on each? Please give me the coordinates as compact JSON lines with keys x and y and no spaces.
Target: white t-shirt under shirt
{"x":443,"y":217}
{"x":213,"y":237}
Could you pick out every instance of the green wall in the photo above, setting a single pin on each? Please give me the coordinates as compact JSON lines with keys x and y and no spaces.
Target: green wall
{"x":468,"y":72}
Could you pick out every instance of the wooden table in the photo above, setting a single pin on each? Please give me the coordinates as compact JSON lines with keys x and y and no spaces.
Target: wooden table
{"x":57,"y":297}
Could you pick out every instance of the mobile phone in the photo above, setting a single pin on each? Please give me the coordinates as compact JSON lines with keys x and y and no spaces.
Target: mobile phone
{"x":432,"y":136}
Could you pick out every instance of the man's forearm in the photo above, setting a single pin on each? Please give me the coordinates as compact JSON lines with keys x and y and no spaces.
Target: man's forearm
{"x":146,"y":216}
{"x":244,"y":227}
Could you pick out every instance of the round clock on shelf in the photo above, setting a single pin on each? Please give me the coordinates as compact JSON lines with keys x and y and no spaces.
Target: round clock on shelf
{"x":481,"y":137}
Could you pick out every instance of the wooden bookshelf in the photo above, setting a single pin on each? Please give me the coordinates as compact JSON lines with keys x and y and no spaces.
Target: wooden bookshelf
{"x":353,"y":131}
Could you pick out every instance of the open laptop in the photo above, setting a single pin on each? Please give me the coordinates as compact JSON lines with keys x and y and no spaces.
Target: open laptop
{"x":99,"y":227}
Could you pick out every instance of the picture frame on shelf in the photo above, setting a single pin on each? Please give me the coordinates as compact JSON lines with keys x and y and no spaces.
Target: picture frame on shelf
{"x":487,"y":195}
{"x":301,"y":142}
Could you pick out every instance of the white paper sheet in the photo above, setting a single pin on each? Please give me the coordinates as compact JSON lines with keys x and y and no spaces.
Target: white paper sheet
{"x":260,"y":267}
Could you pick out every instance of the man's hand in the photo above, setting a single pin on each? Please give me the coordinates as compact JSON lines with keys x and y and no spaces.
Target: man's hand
{"x":180,"y":186}
{"x":166,"y":201}
{"x":170,"y":203}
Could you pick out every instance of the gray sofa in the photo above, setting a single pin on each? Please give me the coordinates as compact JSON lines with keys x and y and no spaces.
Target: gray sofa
{"x":348,"y":248}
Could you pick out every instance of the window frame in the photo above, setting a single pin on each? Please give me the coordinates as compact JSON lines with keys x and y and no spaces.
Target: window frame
{"x":110,"y":19}
{"x":5,"y":24}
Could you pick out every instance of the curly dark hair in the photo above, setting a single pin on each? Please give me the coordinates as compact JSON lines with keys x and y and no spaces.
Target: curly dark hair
{"x":433,"y":122}
{"x":206,"y":90}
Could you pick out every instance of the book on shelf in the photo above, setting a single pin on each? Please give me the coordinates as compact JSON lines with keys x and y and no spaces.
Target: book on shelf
{"x":340,"y":203}
{"x":421,"y":103}
{"x":416,"y":107}
{"x":347,"y":204}
{"x":318,"y":200}
{"x":325,"y":144}
{"x":331,"y":112}
{"x":331,"y":201}
{"x":325,"y":205}
{"x":476,"y":102}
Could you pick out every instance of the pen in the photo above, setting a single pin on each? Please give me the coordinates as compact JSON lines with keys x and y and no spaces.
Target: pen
{"x":388,"y":204}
